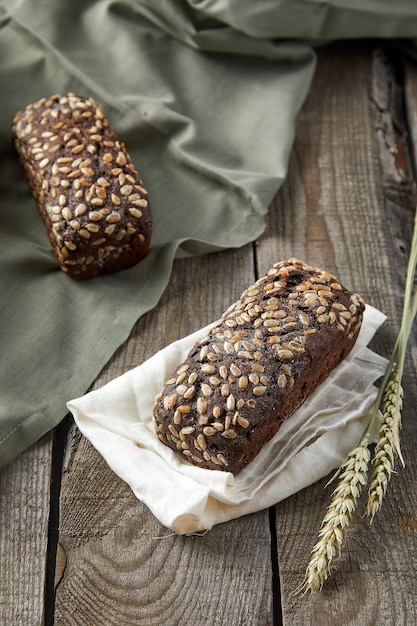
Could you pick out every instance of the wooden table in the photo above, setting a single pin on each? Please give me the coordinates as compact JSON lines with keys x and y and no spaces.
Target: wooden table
{"x":77,"y":548}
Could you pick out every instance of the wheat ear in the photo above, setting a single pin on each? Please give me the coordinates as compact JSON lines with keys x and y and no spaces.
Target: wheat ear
{"x":353,"y":475}
{"x":384,"y":453}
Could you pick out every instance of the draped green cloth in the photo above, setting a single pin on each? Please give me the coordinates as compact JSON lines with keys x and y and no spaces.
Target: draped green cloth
{"x":205,"y":96}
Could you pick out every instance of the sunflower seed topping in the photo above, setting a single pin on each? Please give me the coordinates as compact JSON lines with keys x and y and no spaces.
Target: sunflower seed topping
{"x":56,"y":138}
{"x":253,"y":356}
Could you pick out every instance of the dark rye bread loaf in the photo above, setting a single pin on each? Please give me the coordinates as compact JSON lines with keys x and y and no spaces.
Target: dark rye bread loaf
{"x":266,"y":354}
{"x":92,"y":201}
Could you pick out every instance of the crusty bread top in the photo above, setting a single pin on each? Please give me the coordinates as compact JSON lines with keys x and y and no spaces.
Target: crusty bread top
{"x":260,"y":361}
{"x":89,"y":194}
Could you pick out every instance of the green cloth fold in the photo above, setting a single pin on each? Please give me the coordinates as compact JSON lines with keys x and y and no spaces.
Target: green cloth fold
{"x":205,"y":97}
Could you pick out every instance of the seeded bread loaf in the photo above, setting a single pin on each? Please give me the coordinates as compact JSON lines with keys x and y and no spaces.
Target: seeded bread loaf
{"x":92,"y":201}
{"x":262,"y":359}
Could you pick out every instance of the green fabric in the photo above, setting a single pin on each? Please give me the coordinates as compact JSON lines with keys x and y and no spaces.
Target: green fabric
{"x":205,"y":96}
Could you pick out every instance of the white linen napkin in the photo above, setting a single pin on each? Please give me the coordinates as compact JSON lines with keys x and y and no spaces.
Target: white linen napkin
{"x":117,"y":419}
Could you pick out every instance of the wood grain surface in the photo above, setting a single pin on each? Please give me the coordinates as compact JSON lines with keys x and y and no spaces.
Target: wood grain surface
{"x":361,"y":207}
{"x":347,"y":205}
{"x":24,"y":515}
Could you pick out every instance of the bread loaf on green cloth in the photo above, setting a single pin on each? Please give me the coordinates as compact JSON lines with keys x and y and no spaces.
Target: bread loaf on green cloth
{"x":257,"y":365}
{"x":89,"y":194}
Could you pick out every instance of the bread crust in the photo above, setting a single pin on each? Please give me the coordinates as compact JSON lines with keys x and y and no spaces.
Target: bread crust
{"x":257,"y":365}
{"x":89,"y":194}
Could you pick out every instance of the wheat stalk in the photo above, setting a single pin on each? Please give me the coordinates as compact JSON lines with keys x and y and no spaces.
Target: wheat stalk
{"x":384,"y":453}
{"x":353,"y":473}
{"x":388,"y":443}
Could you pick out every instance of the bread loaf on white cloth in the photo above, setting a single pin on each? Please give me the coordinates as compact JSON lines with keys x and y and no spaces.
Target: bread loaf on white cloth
{"x":117,"y":419}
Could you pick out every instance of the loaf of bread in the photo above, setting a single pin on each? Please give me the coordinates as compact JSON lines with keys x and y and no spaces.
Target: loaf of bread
{"x":256,"y":366}
{"x":90,"y":196}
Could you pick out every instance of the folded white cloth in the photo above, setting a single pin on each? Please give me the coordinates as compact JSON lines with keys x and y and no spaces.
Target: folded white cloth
{"x":117,"y":419}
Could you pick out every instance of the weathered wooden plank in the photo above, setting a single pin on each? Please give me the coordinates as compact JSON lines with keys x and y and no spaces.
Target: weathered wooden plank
{"x":24,"y":516}
{"x":122,"y":566}
{"x":347,"y":206}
